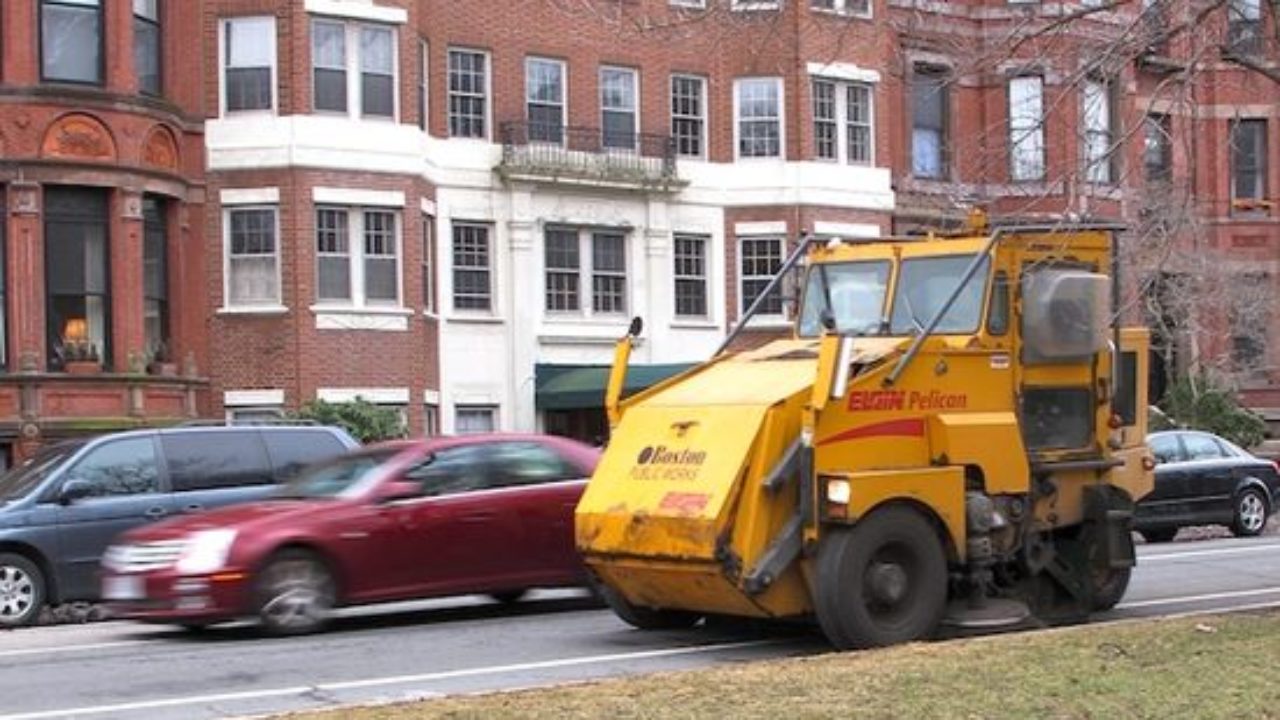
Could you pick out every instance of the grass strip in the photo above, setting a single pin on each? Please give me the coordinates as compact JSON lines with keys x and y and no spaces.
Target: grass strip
{"x":1222,"y":666}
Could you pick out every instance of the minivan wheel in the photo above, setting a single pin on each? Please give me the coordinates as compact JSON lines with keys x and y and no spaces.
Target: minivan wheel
{"x":296,"y":591}
{"x":21,"y":590}
{"x":1251,"y":514}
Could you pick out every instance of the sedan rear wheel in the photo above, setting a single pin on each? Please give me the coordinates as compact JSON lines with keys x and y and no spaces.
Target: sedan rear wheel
{"x":21,"y":590}
{"x":295,"y":594}
{"x":1251,"y":514}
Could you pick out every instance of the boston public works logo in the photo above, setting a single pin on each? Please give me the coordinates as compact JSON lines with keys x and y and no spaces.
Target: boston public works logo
{"x":661,"y":455}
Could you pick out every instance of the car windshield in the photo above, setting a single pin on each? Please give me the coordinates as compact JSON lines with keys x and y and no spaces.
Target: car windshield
{"x":335,"y":477}
{"x":852,"y":292}
{"x":924,"y":284}
{"x":19,"y":481}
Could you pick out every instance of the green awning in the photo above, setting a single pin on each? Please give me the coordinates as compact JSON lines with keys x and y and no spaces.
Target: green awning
{"x":573,"y":387}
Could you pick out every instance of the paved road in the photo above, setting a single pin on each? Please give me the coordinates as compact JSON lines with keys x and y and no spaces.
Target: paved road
{"x":122,"y":670}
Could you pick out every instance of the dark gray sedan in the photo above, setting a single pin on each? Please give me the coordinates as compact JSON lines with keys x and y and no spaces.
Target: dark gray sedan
{"x":1202,"y":479}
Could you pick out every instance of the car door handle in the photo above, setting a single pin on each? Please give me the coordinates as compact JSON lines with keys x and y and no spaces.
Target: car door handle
{"x":193,"y":507}
{"x":155,"y":513}
{"x":478,"y":517}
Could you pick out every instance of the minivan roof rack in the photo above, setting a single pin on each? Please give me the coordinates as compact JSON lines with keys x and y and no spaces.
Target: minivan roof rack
{"x":285,"y":422}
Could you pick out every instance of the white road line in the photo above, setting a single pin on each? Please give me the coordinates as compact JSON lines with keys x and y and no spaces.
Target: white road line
{"x":382,"y":681}
{"x":1199,"y":598}
{"x":69,"y":648}
{"x":1143,"y":559}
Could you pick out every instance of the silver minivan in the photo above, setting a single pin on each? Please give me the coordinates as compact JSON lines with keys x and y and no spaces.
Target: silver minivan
{"x":61,"y":509}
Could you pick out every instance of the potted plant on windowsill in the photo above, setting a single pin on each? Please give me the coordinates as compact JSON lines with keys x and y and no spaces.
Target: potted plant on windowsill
{"x":80,"y":357}
{"x":162,"y":362}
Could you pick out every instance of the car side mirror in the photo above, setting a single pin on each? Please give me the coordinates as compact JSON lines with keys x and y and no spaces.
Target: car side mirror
{"x":399,"y":490}
{"x":73,"y":490}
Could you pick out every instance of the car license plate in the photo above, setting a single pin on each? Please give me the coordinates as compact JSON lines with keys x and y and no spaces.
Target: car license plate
{"x":122,"y":587}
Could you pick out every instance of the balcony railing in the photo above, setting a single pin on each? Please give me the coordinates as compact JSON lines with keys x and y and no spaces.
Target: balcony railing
{"x":554,"y":153}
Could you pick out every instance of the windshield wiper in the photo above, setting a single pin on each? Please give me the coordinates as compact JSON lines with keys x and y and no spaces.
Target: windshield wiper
{"x":919,"y":326}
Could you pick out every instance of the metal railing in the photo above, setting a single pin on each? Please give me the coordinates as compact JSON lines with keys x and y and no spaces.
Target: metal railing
{"x":596,"y":154}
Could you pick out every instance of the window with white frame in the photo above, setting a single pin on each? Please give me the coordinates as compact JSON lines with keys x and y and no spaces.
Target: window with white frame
{"x":578,"y":258}
{"x":544,"y":99}
{"x":468,"y":94}
{"x":1097,"y":127}
{"x":428,"y":260}
{"x":698,"y":4}
{"x":758,"y":106}
{"x":472,"y":276}
{"x":689,"y":114}
{"x":253,"y":257}
{"x":842,"y":121}
{"x":472,"y":419}
{"x":1248,"y":154}
{"x":844,"y":7}
{"x":618,"y":103}
{"x":357,"y":257}
{"x":1026,"y":128}
{"x":353,"y":60}
{"x":754,"y":4}
{"x":248,"y":63}
{"x":759,"y":259}
{"x":690,"y":272}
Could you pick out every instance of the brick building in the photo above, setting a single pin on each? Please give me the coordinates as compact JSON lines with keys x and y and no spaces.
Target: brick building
{"x":103,"y":174}
{"x":453,"y":208}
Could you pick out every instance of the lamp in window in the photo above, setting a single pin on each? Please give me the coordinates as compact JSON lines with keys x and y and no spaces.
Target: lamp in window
{"x":78,"y":354}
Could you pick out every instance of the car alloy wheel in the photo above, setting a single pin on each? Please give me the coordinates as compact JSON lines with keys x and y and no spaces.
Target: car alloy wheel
{"x":21,"y":591}
{"x":1251,"y":513}
{"x":296,"y":594}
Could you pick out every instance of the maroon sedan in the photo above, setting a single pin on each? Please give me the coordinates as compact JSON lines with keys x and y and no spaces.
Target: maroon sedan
{"x":449,"y":516}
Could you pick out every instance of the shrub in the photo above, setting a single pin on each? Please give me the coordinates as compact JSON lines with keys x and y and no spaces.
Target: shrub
{"x":1205,"y":404}
{"x":365,"y":421}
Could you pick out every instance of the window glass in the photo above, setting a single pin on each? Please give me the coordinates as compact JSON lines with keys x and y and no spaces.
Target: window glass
{"x":381,"y":258}
{"x":1026,"y":128}
{"x":468,"y":94}
{"x":561,"y":253}
{"x":454,"y":470}
{"x":71,"y":40}
{"x":1097,"y":130}
{"x":209,"y":460}
{"x":690,"y":258}
{"x":760,"y":259}
{"x":1166,"y":449}
{"x":929,"y":110}
{"x":759,"y":118}
{"x":471,"y":283}
{"x":252,"y":265}
{"x":608,"y":273}
{"x":332,"y":478}
{"x":20,"y":480}
{"x":687,"y":114}
{"x":1057,"y":418}
{"x":529,"y":463}
{"x":146,"y":45}
{"x":377,"y":72}
{"x":292,"y":450}
{"x":1201,"y":447}
{"x":1126,"y":402}
{"x":76,"y":276}
{"x":618,"y":107}
{"x":470,"y":419}
{"x":122,"y":467}
{"x":329,"y":60}
{"x":853,"y":292}
{"x":998,"y":312}
{"x":250,"y":54}
{"x":544,"y":97}
{"x":1248,"y":159}
{"x":924,"y":285}
{"x":155,"y":276}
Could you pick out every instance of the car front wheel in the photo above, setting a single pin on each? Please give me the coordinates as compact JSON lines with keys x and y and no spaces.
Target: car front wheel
{"x":1250,"y":515}
{"x":296,"y":592}
{"x":21,"y":590}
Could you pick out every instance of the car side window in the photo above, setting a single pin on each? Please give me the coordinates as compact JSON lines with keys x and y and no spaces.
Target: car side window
{"x":1202,"y":447}
{"x":452,"y":470}
{"x":122,"y":467}
{"x":213,"y":460}
{"x":1166,"y":449}
{"x":529,"y":463}
{"x":292,"y":450}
